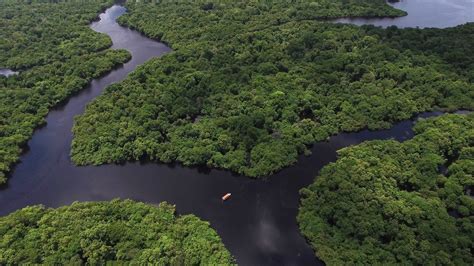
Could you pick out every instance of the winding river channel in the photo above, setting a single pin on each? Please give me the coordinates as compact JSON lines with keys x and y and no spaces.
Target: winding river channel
{"x":258,"y":225}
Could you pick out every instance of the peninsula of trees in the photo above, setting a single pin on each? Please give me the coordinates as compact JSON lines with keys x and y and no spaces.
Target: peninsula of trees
{"x":386,"y":202}
{"x":108,"y":232}
{"x":251,"y":85}
{"x":56,"y":53}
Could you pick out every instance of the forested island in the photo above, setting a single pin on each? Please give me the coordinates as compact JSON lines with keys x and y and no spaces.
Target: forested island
{"x":57,"y":55}
{"x":252,"y":85}
{"x":108,"y":232}
{"x":386,"y":202}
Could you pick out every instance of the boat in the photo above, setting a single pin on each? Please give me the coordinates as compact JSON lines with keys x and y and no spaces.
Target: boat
{"x":226,"y":196}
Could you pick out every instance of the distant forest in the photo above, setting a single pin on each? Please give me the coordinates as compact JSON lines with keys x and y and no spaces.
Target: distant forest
{"x":251,"y":85}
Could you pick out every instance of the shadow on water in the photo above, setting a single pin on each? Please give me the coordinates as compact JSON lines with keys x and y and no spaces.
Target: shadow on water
{"x":258,"y":224}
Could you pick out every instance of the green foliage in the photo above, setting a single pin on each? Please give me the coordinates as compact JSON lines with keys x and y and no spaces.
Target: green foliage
{"x":251,"y":84}
{"x":57,"y":54}
{"x":105,"y":232}
{"x":386,"y":202}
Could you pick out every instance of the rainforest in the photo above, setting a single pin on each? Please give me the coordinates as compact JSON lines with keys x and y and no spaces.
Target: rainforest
{"x":236,"y":132}
{"x":249,"y":86}
{"x":397,"y":203}
{"x":105,"y":232}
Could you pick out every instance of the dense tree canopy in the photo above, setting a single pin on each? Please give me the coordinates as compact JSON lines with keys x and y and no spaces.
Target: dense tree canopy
{"x":386,"y":202}
{"x":251,"y":84}
{"x":57,"y":55}
{"x":102,"y":232}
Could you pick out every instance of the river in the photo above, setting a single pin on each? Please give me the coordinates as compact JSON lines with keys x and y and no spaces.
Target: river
{"x":258,"y":224}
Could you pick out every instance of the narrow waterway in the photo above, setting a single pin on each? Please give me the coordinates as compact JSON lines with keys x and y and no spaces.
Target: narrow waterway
{"x":258,"y":225}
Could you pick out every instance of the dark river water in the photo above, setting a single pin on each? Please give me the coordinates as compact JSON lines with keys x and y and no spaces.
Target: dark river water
{"x":258,"y":224}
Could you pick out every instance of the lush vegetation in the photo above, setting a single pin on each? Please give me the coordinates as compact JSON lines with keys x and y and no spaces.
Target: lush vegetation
{"x":57,"y":55}
{"x":250,"y":85}
{"x":386,"y":202}
{"x":104,"y":232}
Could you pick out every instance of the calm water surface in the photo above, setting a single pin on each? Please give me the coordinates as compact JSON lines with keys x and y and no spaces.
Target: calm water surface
{"x":7,"y":72}
{"x":257,"y":225}
{"x":424,"y":14}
